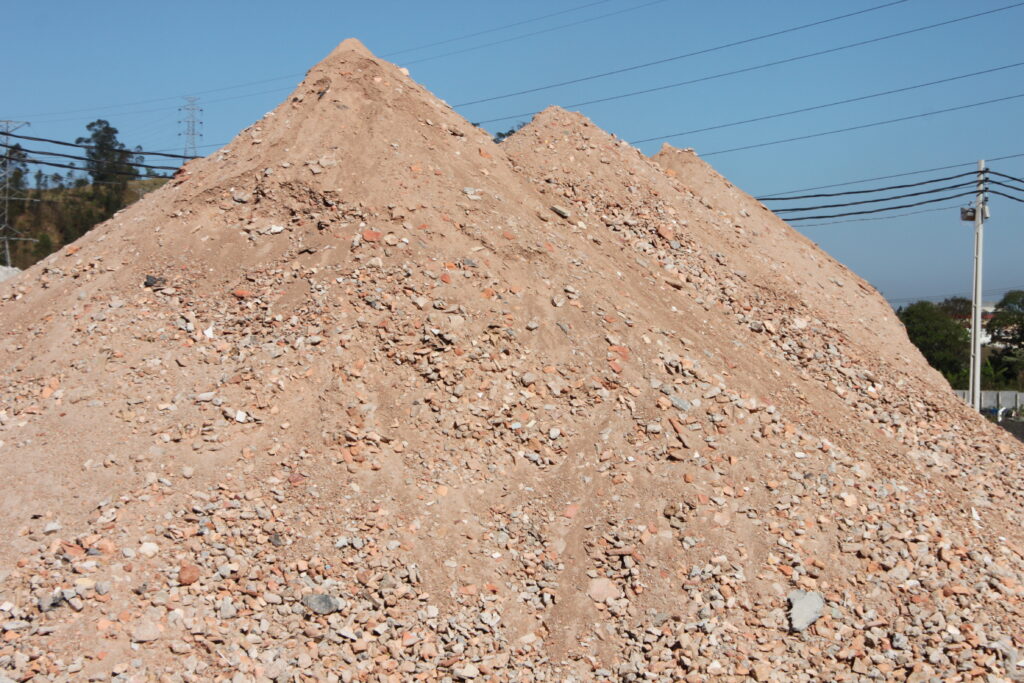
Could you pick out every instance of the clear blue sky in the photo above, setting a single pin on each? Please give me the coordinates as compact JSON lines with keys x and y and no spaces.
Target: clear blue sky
{"x":71,"y":62}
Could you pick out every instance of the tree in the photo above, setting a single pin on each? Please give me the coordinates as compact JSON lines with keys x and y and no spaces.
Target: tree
{"x":109,"y":161}
{"x":17,"y":167}
{"x":1007,"y":323}
{"x":14,"y":165}
{"x":957,"y":307}
{"x":944,"y":342}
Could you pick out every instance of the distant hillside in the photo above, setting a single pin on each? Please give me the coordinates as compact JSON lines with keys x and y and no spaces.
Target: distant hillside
{"x":56,"y":216}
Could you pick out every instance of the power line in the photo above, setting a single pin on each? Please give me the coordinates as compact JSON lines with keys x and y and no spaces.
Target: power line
{"x":210,"y":91}
{"x":666,"y":60}
{"x":966,"y":295}
{"x":865,"y":125}
{"x":76,"y":168}
{"x":176,"y":108}
{"x":888,"y":208}
{"x":899,"y":175}
{"x":879,"y":218}
{"x":875,"y":189}
{"x":877,"y":199}
{"x":71,"y":156}
{"x":495,"y":29}
{"x":76,"y":144}
{"x":536,"y":33}
{"x":816,"y":107}
{"x":164,"y":99}
{"x":766,"y":65}
{"x":910,"y":213}
{"x":1007,"y":186}
{"x":1003,"y":194}
{"x":1003,"y":175}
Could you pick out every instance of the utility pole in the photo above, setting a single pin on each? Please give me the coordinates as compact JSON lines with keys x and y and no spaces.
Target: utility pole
{"x":191,"y":110}
{"x":980,"y":214}
{"x":7,"y":232}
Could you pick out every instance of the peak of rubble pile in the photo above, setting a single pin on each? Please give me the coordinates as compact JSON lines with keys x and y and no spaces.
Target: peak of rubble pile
{"x":365,"y":396}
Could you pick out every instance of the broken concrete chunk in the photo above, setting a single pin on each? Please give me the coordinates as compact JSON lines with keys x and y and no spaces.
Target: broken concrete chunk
{"x":804,"y":609}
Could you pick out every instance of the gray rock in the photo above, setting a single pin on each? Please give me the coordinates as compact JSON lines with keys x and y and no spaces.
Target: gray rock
{"x":51,"y":602}
{"x":564,"y":213}
{"x":804,"y":609}
{"x":680,"y":403}
{"x":227,"y":609}
{"x":321,"y":603}
{"x":15,"y":625}
{"x":466,"y":673}
{"x":145,"y":631}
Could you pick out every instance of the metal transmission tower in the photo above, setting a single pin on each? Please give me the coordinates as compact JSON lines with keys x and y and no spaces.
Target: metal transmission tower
{"x":7,"y":232}
{"x":191,"y":110}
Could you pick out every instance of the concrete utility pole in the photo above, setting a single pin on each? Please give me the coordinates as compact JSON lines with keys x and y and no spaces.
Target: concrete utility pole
{"x":980,"y":211}
{"x":192,"y":110}
{"x":7,"y":232}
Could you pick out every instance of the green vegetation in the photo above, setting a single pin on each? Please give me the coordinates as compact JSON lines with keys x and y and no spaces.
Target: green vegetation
{"x":58,"y":208}
{"x":943,"y":341}
{"x":940,"y":332}
{"x":1007,"y":325}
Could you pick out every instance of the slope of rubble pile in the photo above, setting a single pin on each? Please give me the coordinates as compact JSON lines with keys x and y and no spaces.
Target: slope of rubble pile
{"x":365,"y":396}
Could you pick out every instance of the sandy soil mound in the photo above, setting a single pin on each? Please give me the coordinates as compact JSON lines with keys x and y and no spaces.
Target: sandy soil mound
{"x":365,"y":396}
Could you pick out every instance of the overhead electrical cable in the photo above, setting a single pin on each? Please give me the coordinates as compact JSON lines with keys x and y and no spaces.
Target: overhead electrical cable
{"x":880,"y":218}
{"x":876,"y":200}
{"x":79,"y":158}
{"x":122,"y":114}
{"x":1007,"y":186}
{"x":888,"y":208}
{"x":766,"y":65}
{"x":77,"y":168}
{"x":105,"y":107}
{"x":36,"y":117}
{"x":896,"y":175}
{"x":666,"y":60}
{"x":865,"y":125}
{"x":78,"y":144}
{"x":816,"y":107}
{"x":212,"y":144}
{"x":206,"y":102}
{"x":1003,"y":194}
{"x":874,"y":189}
{"x":535,"y":33}
{"x":932,"y":297}
{"x":1003,"y":175}
{"x":495,"y":29}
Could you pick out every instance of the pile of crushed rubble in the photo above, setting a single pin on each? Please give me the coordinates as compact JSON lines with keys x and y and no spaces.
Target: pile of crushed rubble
{"x":365,"y":396}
